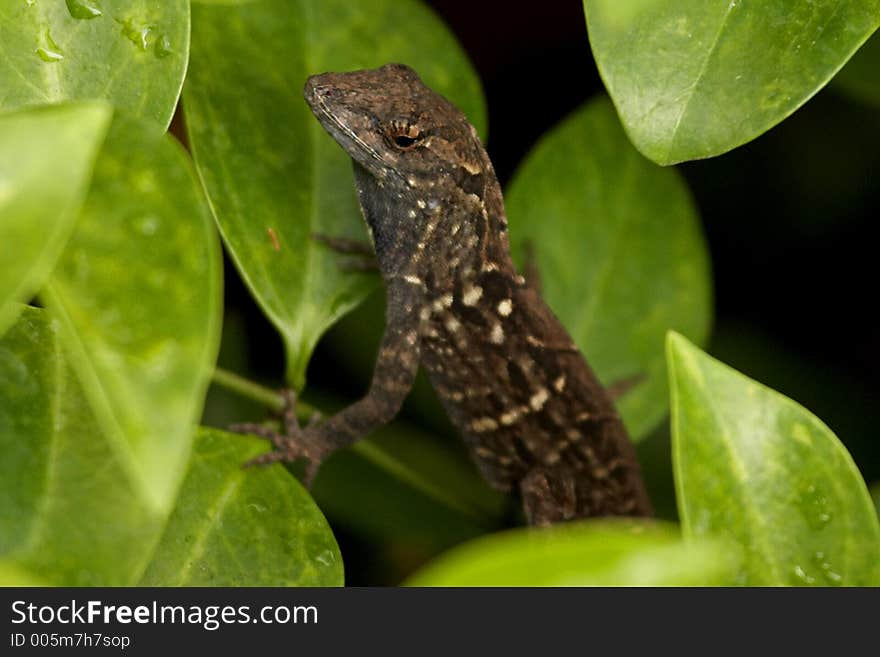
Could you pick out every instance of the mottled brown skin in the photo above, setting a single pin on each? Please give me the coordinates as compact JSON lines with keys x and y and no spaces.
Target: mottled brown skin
{"x":535,"y":417}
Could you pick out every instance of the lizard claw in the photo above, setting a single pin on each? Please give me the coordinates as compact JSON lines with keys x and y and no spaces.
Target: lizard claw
{"x":291,"y":451}
{"x":291,"y":444}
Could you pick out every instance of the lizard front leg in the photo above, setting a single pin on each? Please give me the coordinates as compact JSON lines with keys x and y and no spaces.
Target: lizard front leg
{"x":393,"y":376}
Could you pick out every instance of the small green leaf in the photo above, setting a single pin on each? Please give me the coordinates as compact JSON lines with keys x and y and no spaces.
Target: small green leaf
{"x":46,"y":159}
{"x":593,"y":553}
{"x":860,"y":78}
{"x":71,"y":516}
{"x":281,"y":179}
{"x":692,"y":79}
{"x":619,"y":249}
{"x":754,"y":467}
{"x":138,"y":291}
{"x":132,"y":53}
{"x":243,"y":527}
{"x":69,"y":513}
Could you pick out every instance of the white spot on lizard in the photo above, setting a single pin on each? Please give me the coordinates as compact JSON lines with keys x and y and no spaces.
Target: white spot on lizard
{"x":443,"y":302}
{"x":483,"y":424}
{"x":497,"y":334}
{"x":538,"y":400}
{"x":472,"y":295}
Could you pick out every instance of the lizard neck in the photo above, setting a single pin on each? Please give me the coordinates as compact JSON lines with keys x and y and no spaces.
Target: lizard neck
{"x":441,"y":231}
{"x":386,"y":210}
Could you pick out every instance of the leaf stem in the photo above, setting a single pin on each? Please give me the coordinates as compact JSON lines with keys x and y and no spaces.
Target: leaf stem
{"x":247,"y":388}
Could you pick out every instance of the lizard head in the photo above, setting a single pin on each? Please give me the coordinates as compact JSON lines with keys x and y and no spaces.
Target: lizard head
{"x":397,"y":128}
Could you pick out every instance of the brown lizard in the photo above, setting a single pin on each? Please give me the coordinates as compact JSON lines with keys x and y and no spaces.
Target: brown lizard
{"x":535,"y":417}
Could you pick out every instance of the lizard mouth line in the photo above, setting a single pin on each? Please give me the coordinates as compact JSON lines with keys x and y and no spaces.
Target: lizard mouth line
{"x":349,"y":133}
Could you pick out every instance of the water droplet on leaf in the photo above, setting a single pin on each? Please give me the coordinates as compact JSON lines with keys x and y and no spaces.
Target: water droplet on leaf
{"x":50,"y":52}
{"x":163,"y":47}
{"x":49,"y":55}
{"x":326,"y":558}
{"x":815,"y":508}
{"x":82,"y":9}
{"x":136,"y":32}
{"x":827,"y":570}
{"x":803,"y":577}
{"x":148,"y":225}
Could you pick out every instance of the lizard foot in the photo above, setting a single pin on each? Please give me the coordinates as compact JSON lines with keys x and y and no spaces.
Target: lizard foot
{"x":291,"y":444}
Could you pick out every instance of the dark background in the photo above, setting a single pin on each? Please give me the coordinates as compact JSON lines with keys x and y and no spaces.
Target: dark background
{"x":791,"y":224}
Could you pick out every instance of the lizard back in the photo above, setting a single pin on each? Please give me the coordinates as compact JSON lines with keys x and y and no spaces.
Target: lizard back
{"x":525,"y":400}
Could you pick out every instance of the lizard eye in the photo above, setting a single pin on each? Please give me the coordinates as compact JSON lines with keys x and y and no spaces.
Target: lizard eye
{"x":404,"y":136}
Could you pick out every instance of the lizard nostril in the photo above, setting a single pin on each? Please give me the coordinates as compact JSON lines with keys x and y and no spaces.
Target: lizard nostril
{"x":317,"y":90}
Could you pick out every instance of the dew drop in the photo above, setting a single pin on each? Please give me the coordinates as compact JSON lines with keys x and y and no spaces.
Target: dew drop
{"x":815,"y":508}
{"x":136,"y":33}
{"x":325,"y":558}
{"x":49,"y":55}
{"x":827,"y":570}
{"x":50,"y":52}
{"x":82,"y":9}
{"x":803,"y":577}
{"x":832,"y":577}
{"x":163,"y":47}
{"x":148,"y":225}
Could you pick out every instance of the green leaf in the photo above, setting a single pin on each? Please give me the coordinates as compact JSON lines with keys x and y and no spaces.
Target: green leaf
{"x":68,"y":510}
{"x":46,"y":159}
{"x":593,"y":553}
{"x":619,"y":249}
{"x":860,"y":77}
{"x":71,"y":516}
{"x":692,"y":79}
{"x":754,"y":467}
{"x":271,"y":173}
{"x":132,"y":53}
{"x":138,"y":291}
{"x":243,"y":527}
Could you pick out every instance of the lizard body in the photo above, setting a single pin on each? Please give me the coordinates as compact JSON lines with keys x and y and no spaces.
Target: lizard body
{"x":536,"y":419}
